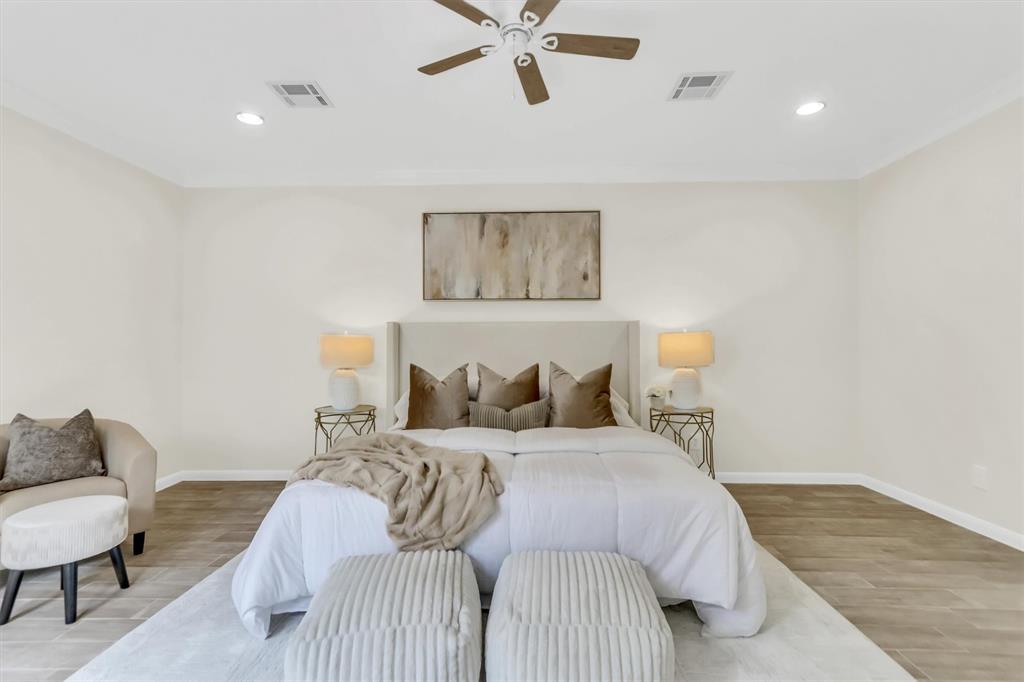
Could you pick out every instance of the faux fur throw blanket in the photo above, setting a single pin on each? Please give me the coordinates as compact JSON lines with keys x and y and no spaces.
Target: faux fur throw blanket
{"x":436,"y":497}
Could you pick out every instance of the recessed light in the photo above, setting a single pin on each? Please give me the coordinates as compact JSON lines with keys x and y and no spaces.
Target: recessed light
{"x":249,"y":118}
{"x":809,"y":108}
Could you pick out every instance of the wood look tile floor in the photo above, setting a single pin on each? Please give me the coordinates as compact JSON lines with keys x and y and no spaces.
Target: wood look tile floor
{"x":946,"y":603}
{"x":198,"y":527}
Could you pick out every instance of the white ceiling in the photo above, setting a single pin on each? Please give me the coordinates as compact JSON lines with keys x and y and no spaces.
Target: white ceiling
{"x":158,"y":84}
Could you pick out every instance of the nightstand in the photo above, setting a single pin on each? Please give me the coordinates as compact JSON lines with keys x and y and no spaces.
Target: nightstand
{"x":686,"y":425}
{"x":332,"y":423}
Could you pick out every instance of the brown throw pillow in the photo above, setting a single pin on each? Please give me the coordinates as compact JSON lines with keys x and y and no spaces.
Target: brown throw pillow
{"x":584,"y":404}
{"x":437,"y":404}
{"x":505,"y":393}
{"x":40,"y":454}
{"x":530,"y":416}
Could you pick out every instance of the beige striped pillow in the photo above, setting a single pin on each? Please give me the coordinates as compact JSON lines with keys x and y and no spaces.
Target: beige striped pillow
{"x":530,"y":416}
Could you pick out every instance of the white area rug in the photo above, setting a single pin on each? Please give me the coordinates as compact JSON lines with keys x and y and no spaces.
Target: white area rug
{"x":199,"y":637}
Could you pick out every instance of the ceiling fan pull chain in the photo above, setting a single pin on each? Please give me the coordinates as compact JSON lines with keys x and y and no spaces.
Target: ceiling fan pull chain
{"x":515,"y":54}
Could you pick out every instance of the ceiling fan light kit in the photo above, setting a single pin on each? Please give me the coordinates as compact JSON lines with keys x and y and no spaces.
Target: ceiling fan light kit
{"x":520,"y":36}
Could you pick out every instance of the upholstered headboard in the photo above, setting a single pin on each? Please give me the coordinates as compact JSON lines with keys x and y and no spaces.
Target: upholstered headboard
{"x":508,"y":347}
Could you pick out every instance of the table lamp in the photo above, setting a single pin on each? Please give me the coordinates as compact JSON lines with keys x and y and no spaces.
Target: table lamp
{"x":343,"y":353}
{"x":684,"y":351}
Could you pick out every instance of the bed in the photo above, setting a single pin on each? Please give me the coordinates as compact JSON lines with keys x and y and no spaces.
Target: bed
{"x":614,"y":488}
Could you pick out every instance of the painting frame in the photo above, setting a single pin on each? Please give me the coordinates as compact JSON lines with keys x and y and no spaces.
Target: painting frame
{"x":426,"y":217}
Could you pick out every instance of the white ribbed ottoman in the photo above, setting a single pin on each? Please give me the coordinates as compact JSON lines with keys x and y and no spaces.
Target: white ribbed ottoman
{"x":406,"y":616}
{"x":576,"y":616}
{"x":62,"y":533}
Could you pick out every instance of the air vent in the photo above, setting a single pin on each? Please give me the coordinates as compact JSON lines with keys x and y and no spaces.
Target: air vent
{"x":301,"y":94}
{"x":704,"y":85}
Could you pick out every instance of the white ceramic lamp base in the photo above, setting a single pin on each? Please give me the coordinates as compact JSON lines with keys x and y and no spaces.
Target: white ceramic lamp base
{"x":685,"y":389}
{"x":343,"y":387}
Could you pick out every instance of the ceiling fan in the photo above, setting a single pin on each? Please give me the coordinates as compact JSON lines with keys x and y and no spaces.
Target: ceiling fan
{"x":520,"y":35}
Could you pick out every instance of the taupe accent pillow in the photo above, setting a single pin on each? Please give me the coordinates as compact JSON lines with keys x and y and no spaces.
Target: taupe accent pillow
{"x":530,"y":416}
{"x":584,"y":404}
{"x":40,"y":454}
{"x":505,"y":393}
{"x":437,"y":404}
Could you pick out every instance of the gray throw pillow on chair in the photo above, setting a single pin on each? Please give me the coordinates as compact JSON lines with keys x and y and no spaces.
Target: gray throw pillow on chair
{"x":40,"y":454}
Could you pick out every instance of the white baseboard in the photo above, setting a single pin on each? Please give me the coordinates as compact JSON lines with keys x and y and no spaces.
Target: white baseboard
{"x":955,"y":516}
{"x":788,"y":478}
{"x":943,"y":511}
{"x":169,"y":480}
{"x":223,"y":475}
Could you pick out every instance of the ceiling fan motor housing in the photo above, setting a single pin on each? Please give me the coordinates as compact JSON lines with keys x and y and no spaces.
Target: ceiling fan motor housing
{"x":518,"y":34}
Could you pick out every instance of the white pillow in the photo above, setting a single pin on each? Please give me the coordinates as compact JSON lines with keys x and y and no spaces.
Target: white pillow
{"x":620,"y":410}
{"x":401,"y":413}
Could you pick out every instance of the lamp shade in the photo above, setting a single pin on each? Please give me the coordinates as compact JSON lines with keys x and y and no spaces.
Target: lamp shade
{"x":346,"y":350}
{"x":685,"y":349}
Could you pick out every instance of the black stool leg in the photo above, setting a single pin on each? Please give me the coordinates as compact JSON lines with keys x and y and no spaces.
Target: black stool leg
{"x":70,"y":574}
{"x":117,"y":558}
{"x":13,"y":583}
{"x":138,"y":543}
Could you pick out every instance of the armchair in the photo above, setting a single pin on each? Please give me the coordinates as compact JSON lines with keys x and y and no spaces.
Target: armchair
{"x":131,"y":473}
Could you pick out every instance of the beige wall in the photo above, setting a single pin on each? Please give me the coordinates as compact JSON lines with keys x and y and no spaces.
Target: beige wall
{"x":940,"y":319}
{"x":769,"y":267}
{"x":870,"y":326}
{"x":90,"y":293}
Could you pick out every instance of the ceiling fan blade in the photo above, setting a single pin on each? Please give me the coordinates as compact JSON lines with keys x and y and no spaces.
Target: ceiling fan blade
{"x":537,"y":8}
{"x":455,"y":60}
{"x":591,"y":46}
{"x":529,"y":76}
{"x":472,"y":13}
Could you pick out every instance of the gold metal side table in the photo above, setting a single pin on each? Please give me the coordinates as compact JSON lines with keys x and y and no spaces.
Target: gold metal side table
{"x":332,"y":423}
{"x":686,"y":425}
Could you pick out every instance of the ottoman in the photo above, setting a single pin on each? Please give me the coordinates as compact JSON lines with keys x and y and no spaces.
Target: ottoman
{"x":576,"y":616}
{"x":406,"y":616}
{"x":62,"y":533}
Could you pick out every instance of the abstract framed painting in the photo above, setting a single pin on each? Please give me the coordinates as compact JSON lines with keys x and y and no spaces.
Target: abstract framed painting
{"x":548,"y":255}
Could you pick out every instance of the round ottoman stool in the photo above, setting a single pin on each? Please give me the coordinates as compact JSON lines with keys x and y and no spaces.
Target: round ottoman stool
{"x":62,"y":533}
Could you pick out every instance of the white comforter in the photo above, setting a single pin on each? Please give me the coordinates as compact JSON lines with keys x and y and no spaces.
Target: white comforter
{"x":611,"y":489}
